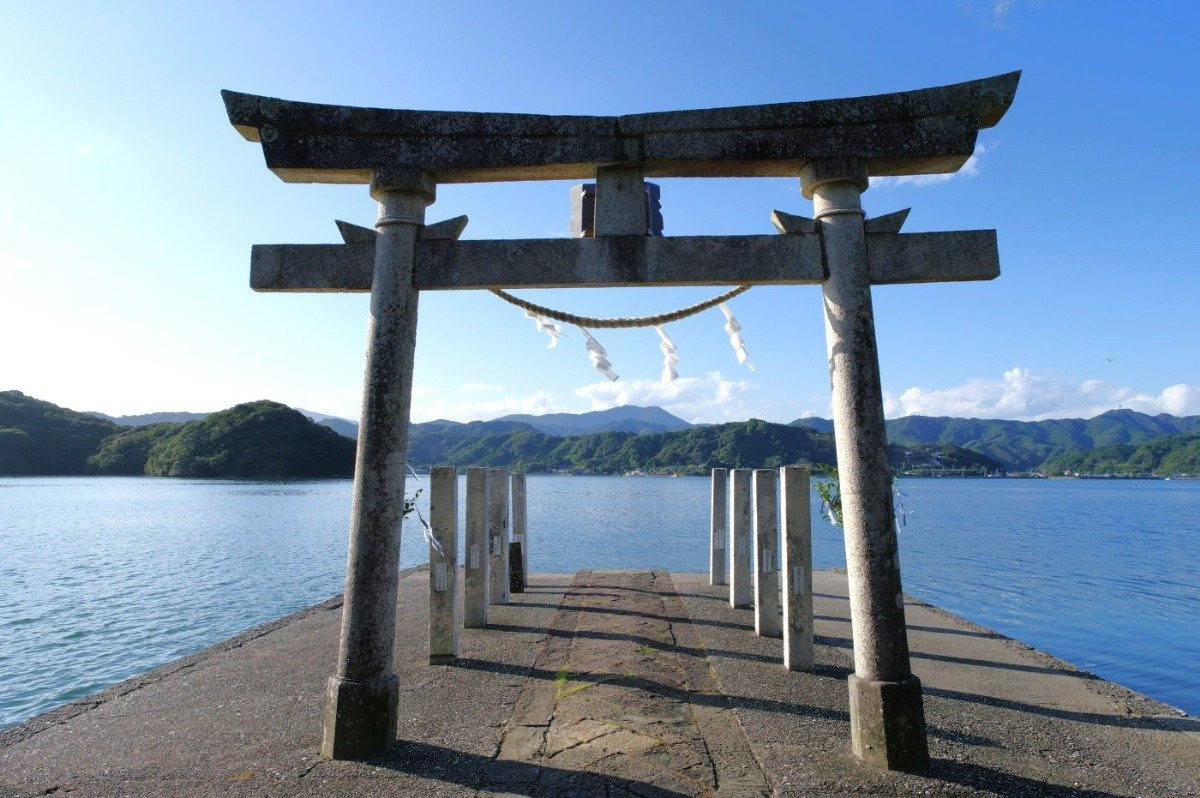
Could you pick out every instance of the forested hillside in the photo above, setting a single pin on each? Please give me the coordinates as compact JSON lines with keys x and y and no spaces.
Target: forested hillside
{"x":1165,"y":456}
{"x":39,"y":438}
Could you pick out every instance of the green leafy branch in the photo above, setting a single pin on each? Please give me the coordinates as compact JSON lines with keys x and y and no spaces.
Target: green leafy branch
{"x":410,"y":504}
{"x":830,"y":491}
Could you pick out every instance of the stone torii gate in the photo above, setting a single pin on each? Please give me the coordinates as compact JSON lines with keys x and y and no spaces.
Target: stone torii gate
{"x":833,"y":146}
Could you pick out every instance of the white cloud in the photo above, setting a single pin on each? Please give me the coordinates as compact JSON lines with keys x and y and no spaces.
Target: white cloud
{"x":86,"y":149}
{"x":708,"y":399}
{"x":1027,"y":395}
{"x":969,"y":169}
{"x":430,"y":405}
{"x":479,"y":387}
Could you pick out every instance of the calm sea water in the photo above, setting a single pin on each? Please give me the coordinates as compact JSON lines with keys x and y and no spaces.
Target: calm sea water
{"x":104,"y":578}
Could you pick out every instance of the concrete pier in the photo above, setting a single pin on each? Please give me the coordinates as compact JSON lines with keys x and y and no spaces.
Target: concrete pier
{"x":520,"y":524}
{"x":360,"y":706}
{"x":498,"y":536}
{"x":767,"y":622}
{"x":741,"y":577}
{"x":888,"y":724}
{"x":631,"y":682}
{"x":477,"y":574}
{"x":796,"y":568}
{"x":718,"y":527}
{"x":443,"y":565}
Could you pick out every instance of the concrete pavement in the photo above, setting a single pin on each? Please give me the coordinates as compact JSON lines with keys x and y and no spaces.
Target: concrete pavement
{"x":606,"y":683}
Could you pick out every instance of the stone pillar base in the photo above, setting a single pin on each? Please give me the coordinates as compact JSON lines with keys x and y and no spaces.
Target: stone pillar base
{"x":887,"y":724}
{"x":360,"y":717}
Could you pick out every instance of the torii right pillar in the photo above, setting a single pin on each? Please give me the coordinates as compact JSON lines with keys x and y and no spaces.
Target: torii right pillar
{"x":887,"y":718}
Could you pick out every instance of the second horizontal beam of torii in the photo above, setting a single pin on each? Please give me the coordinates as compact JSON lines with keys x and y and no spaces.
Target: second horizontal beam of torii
{"x":794,"y":258}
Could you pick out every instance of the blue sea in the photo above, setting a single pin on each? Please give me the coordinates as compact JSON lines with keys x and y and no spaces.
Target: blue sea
{"x":104,"y":578}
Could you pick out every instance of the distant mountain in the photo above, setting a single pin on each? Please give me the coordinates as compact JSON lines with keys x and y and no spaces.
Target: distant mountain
{"x":342,"y":426}
{"x":618,"y":419}
{"x":256,"y":440}
{"x":814,"y":422}
{"x":628,"y":418}
{"x":151,"y":418}
{"x":696,"y":450}
{"x":1022,"y":445}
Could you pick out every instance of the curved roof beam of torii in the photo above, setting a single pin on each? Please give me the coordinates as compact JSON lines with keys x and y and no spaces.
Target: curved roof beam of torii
{"x":925,"y":131}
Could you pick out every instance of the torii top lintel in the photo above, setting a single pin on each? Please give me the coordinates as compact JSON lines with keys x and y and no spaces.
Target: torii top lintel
{"x":915,"y":132}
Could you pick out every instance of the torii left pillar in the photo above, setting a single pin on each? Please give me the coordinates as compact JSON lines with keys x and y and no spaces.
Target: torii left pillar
{"x":360,"y":708}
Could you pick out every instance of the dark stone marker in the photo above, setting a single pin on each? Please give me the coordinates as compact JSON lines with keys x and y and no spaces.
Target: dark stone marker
{"x":516,"y":575}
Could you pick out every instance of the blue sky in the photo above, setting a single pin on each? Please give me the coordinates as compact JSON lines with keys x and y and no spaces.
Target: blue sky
{"x":128,"y":205}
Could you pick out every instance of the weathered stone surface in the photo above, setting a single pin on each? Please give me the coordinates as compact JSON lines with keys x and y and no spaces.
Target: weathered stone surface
{"x":477,"y":569}
{"x":499,"y":536}
{"x":621,"y":201}
{"x":796,"y":568}
{"x":790,"y":224}
{"x":887,"y":724}
{"x":766,"y":555}
{"x":888,"y":223}
{"x":718,"y":527}
{"x":872,"y":558}
{"x":360,"y":718}
{"x":793,"y":259}
{"x":520,"y":524}
{"x":516,"y":577}
{"x":237,"y":719}
{"x":916,"y":132}
{"x":932,"y":257}
{"x":623,"y":701}
{"x":443,"y":565}
{"x":741,"y":524}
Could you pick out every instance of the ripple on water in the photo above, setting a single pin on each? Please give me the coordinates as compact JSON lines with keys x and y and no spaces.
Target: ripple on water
{"x":107,"y":578}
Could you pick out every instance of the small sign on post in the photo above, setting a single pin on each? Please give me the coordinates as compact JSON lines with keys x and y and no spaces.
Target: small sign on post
{"x":796,"y":568}
{"x":741,"y":584}
{"x":766,"y":539}
{"x":477,"y":573}
{"x":718,"y":526}
{"x":498,"y":534}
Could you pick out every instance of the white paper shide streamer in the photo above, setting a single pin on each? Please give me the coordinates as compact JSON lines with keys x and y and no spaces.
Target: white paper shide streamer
{"x":902,"y":514}
{"x":427,"y":530}
{"x":598,"y":356}
{"x":670,"y":359}
{"x":545,"y":325}
{"x":735,"y":337}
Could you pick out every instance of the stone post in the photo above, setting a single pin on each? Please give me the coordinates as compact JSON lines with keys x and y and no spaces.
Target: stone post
{"x":621,"y":201}
{"x":360,"y":704}
{"x":498,"y":592}
{"x":718,"y":526}
{"x":443,"y":565}
{"x":741,"y":585}
{"x":477,"y":573}
{"x":796,"y":569}
{"x":887,"y":719}
{"x":520,"y":526}
{"x":766,"y":558}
